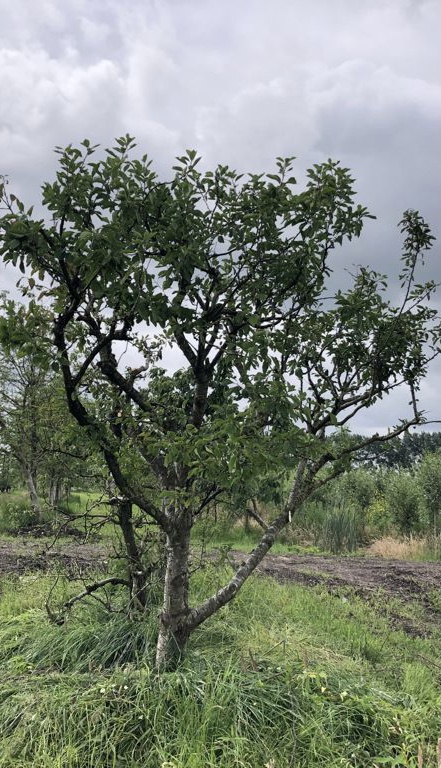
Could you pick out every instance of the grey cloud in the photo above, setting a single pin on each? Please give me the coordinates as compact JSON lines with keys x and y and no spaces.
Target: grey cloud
{"x":242,"y":83}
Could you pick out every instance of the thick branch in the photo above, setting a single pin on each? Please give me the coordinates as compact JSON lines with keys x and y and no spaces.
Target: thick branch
{"x":125,"y":385}
{"x":86,"y":420}
{"x":224,"y":595}
{"x":252,"y":512}
{"x":329,"y":457}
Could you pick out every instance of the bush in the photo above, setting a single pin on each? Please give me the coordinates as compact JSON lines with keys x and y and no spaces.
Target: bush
{"x":379,"y":520}
{"x":15,"y":513}
{"x":357,"y":487}
{"x":404,"y":501}
{"x":429,"y":480}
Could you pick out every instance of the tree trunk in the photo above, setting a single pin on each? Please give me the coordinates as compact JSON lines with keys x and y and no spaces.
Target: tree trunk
{"x":55,"y":492}
{"x":33,"y":495}
{"x":173,"y":632}
{"x":137,"y":573}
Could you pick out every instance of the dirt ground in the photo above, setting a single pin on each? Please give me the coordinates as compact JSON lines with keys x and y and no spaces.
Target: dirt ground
{"x":21,"y":555}
{"x":398,"y":578}
{"x":366,"y":577}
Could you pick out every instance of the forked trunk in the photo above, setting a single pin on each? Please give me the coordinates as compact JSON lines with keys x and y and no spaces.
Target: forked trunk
{"x":173,"y":631}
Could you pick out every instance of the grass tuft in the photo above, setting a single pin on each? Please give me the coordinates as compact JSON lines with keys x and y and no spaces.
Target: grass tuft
{"x":411,"y":548}
{"x":205,"y":715}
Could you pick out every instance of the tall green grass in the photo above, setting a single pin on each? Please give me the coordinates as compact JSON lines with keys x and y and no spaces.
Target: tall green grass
{"x":206,"y":715}
{"x":284,"y":677}
{"x":15,"y":512}
{"x":342,"y":530}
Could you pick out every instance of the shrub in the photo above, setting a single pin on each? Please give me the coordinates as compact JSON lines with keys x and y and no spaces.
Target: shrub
{"x":357,"y":487}
{"x":379,"y":520}
{"x":15,"y":513}
{"x":429,"y":481}
{"x":403,"y":498}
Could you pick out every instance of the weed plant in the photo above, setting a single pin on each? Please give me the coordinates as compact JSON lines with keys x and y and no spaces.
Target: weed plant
{"x":15,"y":512}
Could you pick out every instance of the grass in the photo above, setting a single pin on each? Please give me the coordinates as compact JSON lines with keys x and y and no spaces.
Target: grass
{"x":17,"y":516}
{"x":91,"y":505}
{"x":411,"y":548}
{"x":227,"y":534}
{"x":338,"y":530}
{"x":285,"y":677}
{"x":339,"y":534}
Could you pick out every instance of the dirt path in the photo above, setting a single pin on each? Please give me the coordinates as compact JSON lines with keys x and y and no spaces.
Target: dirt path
{"x":17,"y":556}
{"x":398,"y":578}
{"x":366,"y":576}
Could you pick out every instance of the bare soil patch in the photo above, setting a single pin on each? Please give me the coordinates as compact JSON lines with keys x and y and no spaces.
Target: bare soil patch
{"x":20,"y":555}
{"x":399,"y":578}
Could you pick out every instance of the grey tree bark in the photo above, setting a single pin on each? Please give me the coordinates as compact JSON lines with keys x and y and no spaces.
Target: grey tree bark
{"x":173,"y":628}
{"x":32,"y":489}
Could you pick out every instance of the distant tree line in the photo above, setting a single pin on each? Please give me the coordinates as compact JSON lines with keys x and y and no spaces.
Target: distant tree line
{"x":400,"y":452}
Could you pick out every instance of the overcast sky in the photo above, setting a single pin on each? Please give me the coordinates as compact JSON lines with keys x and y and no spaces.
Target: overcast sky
{"x":242,"y":81}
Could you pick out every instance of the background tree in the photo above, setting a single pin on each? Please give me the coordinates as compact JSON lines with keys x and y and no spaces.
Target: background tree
{"x":36,"y":429}
{"x":233,"y":272}
{"x":405,"y":451}
{"x":429,"y":480}
{"x":22,"y":387}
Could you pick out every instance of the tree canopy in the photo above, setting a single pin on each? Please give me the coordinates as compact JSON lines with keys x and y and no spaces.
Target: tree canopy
{"x":232,"y":271}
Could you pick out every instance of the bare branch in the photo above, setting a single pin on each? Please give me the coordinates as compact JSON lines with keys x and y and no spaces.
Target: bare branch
{"x":60,"y":618}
